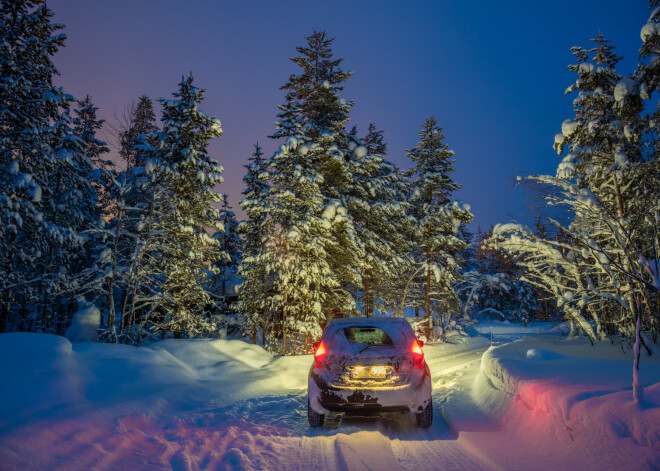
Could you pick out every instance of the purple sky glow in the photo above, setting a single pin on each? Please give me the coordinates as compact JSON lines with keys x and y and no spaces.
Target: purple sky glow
{"x":493,"y":73}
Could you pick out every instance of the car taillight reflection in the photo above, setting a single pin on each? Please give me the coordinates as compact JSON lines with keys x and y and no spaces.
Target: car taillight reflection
{"x":319,"y":356}
{"x":418,"y":355}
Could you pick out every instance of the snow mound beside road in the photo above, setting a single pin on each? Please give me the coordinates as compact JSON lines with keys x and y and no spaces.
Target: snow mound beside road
{"x":553,"y":386}
{"x":48,"y":375}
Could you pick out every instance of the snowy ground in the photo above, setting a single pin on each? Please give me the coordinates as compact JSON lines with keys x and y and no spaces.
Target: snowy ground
{"x":542,"y":402}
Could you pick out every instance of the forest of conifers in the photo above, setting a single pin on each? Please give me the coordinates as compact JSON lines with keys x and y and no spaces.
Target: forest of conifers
{"x":144,"y":245}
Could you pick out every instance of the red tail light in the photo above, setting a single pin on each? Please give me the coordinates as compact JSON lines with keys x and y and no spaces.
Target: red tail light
{"x":418,"y":355}
{"x":319,"y":356}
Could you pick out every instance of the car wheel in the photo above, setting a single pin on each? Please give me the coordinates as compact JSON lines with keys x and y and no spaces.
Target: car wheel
{"x":315,"y":419}
{"x":425,"y":418}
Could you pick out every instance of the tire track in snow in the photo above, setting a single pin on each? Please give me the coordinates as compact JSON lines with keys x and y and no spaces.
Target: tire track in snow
{"x":438,"y":358}
{"x":365,"y":451}
{"x":439,"y":447}
{"x":392,"y":441}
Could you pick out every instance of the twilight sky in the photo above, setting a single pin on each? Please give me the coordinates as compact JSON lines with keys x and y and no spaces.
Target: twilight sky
{"x":493,"y":73}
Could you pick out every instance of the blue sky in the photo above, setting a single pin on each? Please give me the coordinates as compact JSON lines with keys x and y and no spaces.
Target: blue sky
{"x":493,"y":73}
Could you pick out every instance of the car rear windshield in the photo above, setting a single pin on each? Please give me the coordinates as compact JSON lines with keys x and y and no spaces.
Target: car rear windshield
{"x":351,"y":339}
{"x":367,"y":335}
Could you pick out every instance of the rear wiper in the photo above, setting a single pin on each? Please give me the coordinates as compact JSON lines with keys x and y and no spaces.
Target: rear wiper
{"x":372,"y":345}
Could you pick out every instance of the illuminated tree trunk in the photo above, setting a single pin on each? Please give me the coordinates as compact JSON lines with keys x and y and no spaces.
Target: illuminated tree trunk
{"x":427,"y":294}
{"x":111,"y":296}
{"x":367,"y":311}
{"x":284,"y":336}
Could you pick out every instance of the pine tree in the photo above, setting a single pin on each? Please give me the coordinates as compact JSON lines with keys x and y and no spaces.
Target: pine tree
{"x":127,"y":288}
{"x":253,"y":291}
{"x":595,"y":267}
{"x":231,"y":246}
{"x":317,"y":108}
{"x":190,"y":175}
{"x":41,"y":173}
{"x":374,"y":142}
{"x":132,"y":140}
{"x":378,"y":213}
{"x":300,"y":243}
{"x":438,"y":219}
{"x":315,"y":117}
{"x":648,"y":77}
{"x":86,"y":127}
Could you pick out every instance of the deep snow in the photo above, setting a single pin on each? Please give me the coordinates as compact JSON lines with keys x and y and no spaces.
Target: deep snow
{"x":542,"y":402}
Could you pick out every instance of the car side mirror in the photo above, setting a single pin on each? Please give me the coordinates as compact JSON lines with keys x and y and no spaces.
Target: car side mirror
{"x":420,"y":343}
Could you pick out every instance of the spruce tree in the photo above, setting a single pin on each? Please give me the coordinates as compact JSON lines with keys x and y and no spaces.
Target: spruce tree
{"x":190,"y":176}
{"x":86,"y":127}
{"x":253,"y":291}
{"x":231,"y":248}
{"x":126,"y":286}
{"x":142,"y":124}
{"x":378,"y":212}
{"x":300,"y":243}
{"x":438,"y":219}
{"x":315,"y":117}
{"x":41,"y":173}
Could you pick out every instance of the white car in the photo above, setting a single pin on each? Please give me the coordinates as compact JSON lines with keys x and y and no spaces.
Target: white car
{"x":369,"y":365}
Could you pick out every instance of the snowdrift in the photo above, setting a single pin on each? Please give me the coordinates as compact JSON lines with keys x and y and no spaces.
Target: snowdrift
{"x":47,"y":375}
{"x":552,"y":388}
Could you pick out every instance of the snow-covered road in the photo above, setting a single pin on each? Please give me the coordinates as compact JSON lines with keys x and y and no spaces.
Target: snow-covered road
{"x":198,"y":404}
{"x":193,"y":405}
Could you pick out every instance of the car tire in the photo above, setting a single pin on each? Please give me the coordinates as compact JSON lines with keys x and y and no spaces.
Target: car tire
{"x":425,"y":418}
{"x":315,"y":419}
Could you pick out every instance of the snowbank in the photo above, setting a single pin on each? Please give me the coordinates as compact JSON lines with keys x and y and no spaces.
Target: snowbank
{"x":226,"y":404}
{"x":565,"y":389}
{"x":42,"y":372}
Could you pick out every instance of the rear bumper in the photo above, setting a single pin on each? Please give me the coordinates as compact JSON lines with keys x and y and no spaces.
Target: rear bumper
{"x":324,"y":398}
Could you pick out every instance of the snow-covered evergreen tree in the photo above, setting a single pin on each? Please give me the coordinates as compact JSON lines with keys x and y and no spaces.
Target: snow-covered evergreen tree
{"x":315,"y":117}
{"x":300,"y":242}
{"x":187,"y":250}
{"x":132,"y":139}
{"x":86,"y":127}
{"x":491,"y":286}
{"x":123,"y":276}
{"x":231,"y":245}
{"x":438,"y":219}
{"x":253,"y":291}
{"x":379,"y":214}
{"x":45,"y":199}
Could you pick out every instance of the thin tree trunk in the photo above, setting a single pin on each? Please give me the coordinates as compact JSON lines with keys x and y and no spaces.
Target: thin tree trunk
{"x":6,"y":294}
{"x":123,"y":321}
{"x":638,"y":388}
{"x":284,"y":336}
{"x":366,"y":296}
{"x":111,"y":296}
{"x":4,"y":313}
{"x":427,"y":294}
{"x":284,"y":309}
{"x":136,"y":268}
{"x":264,"y":325}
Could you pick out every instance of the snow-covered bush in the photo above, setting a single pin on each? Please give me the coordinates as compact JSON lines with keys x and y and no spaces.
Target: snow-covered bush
{"x":85,"y":325}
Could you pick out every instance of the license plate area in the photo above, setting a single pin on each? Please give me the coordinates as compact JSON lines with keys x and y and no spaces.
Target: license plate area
{"x":371,"y":372}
